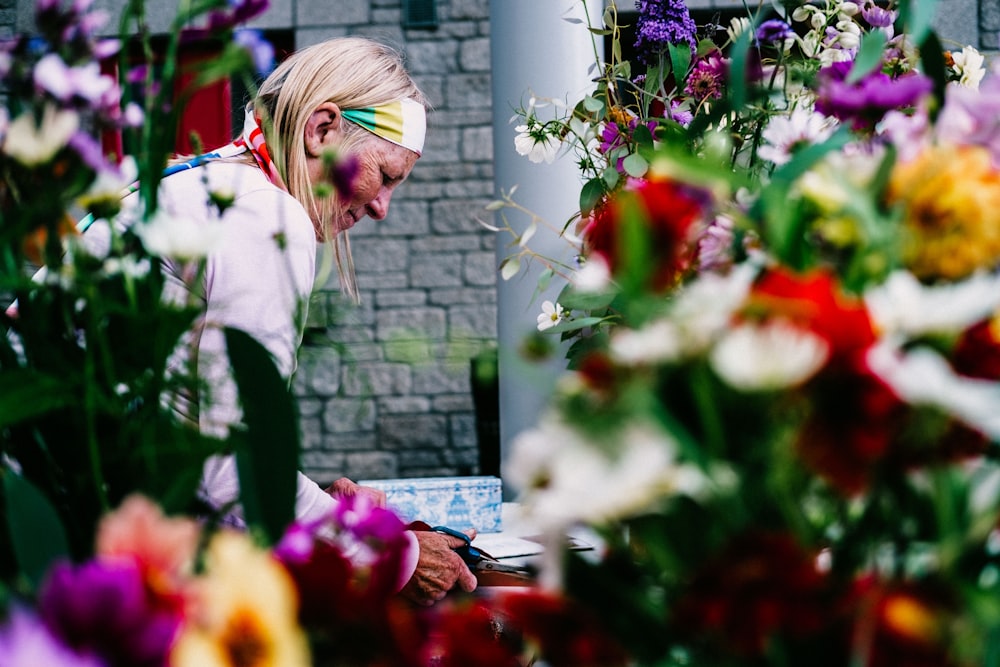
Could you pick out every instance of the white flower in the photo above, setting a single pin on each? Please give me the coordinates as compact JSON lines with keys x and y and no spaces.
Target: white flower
{"x":737,"y":26}
{"x":178,"y":237}
{"x":902,"y":305}
{"x":111,"y":183}
{"x":32,"y":144}
{"x":704,"y":308}
{"x":802,"y":127}
{"x":969,"y":64}
{"x":539,"y":147}
{"x":775,"y":355}
{"x":128,"y":266}
{"x":658,"y":342}
{"x":593,"y":276}
{"x":64,"y":82}
{"x":565,"y":478}
{"x":922,"y":377}
{"x":551,"y":315}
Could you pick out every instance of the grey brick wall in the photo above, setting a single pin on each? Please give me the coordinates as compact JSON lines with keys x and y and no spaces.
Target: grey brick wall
{"x":390,"y":396}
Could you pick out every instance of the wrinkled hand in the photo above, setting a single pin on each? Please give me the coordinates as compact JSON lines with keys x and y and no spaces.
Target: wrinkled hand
{"x":345,"y":488}
{"x":439,"y":569}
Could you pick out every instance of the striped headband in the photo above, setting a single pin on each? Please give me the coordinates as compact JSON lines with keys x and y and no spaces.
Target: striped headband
{"x":403,"y":122}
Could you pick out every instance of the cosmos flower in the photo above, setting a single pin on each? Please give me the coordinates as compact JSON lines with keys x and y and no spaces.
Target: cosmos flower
{"x":864,"y":103}
{"x":34,"y":144}
{"x":536,"y":143}
{"x":769,"y":356}
{"x":551,"y":315}
{"x":783,"y":135}
{"x":564,"y":477}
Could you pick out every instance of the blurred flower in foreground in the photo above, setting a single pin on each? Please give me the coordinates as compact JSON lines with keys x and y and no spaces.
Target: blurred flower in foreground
{"x":25,"y":641}
{"x":245,"y":611}
{"x":783,"y":135}
{"x":32,"y":143}
{"x":261,"y":51}
{"x":565,"y":477}
{"x":950,"y":201}
{"x":102,"y":607}
{"x":760,"y":585}
{"x":177,"y":237}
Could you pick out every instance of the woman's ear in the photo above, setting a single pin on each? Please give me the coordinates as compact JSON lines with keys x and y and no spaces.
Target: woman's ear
{"x":321,"y":128}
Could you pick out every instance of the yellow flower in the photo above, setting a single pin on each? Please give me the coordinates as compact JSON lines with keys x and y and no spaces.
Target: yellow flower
{"x":245,"y":612}
{"x":950,"y":200}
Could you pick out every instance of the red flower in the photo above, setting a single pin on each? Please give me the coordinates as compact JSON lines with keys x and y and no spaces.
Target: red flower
{"x":471,"y":632}
{"x":667,"y":212}
{"x":762,"y":585}
{"x":855,"y":419}
{"x":566,"y":634}
{"x":901,"y":624}
{"x":815,"y":302}
{"x":977,"y":352}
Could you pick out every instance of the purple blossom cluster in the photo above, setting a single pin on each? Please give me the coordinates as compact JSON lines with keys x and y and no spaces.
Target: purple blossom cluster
{"x":661,"y":23}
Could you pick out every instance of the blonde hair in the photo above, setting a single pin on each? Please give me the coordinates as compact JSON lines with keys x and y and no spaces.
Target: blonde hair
{"x":351,"y":72}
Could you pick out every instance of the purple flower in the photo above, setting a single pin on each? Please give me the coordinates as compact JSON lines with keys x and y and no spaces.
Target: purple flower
{"x":368,"y":523}
{"x":661,"y":23}
{"x":26,"y":642}
{"x":865,"y":103}
{"x":678,"y":115}
{"x":90,"y":151}
{"x":261,"y":50}
{"x":707,"y":77}
{"x":773,"y":31}
{"x":876,"y":16}
{"x":103,"y":607}
{"x":240,"y":11}
{"x":972,"y":117}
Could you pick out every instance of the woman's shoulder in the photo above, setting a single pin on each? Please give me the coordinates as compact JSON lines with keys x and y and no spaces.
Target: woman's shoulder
{"x":246,"y":196}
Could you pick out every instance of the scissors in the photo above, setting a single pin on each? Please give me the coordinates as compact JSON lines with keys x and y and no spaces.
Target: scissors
{"x":484,"y":566}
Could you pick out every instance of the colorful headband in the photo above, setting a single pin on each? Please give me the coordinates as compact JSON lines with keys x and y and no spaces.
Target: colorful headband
{"x":402,"y":122}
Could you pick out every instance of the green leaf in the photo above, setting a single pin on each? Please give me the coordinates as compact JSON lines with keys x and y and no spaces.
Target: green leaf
{"x":37,"y":535}
{"x":611,"y":177}
{"x":737,"y":71}
{"x":635,"y":165}
{"x":642,"y":136}
{"x":916,"y":17}
{"x":590,"y":194}
{"x":27,"y":394}
{"x":680,"y":61}
{"x":593,"y":104}
{"x":575,"y":325}
{"x":869,"y":56}
{"x":935,"y":67}
{"x":575,"y":300}
{"x":509,"y":267}
{"x":267,"y":460}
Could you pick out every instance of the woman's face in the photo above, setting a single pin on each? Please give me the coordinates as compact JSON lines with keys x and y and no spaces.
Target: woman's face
{"x":382,"y":165}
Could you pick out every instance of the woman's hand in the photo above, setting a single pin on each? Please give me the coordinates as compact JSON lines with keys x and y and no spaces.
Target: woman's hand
{"x":439,"y":568}
{"x":345,"y":488}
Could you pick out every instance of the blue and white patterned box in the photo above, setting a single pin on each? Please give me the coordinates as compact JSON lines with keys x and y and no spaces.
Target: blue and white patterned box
{"x":456,"y":502}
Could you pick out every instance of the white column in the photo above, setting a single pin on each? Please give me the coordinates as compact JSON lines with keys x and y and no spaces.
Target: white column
{"x":535,"y":51}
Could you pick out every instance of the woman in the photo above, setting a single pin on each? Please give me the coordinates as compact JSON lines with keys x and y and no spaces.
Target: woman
{"x":351,"y":97}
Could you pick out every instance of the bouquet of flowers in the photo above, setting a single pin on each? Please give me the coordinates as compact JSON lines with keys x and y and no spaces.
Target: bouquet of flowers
{"x":781,"y":410}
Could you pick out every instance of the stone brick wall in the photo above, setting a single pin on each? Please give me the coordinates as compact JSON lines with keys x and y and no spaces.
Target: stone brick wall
{"x":384,"y":389}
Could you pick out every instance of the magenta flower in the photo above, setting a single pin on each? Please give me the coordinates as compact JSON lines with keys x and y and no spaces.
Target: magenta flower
{"x":26,"y":642}
{"x":102,"y":607}
{"x":864,"y":103}
{"x":678,"y":115}
{"x":706,"y":78}
{"x":343,"y":173}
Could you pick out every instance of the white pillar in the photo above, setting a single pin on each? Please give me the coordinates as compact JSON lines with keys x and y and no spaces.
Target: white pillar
{"x":535,"y":51}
